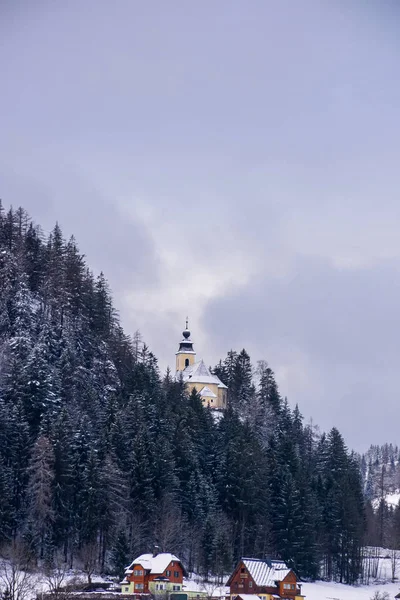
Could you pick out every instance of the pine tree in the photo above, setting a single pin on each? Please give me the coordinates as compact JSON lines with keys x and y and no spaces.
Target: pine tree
{"x":40,"y":492}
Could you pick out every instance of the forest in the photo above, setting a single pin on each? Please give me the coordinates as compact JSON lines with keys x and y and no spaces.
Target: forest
{"x":102,"y":455}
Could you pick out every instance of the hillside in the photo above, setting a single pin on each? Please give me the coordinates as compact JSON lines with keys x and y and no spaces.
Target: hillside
{"x":101,"y":456}
{"x":380,"y":467}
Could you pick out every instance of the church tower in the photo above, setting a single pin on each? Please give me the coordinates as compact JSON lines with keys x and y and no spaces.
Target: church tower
{"x":185,"y":356}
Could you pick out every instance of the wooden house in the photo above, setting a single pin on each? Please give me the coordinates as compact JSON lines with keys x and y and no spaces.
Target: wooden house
{"x":156,"y":574}
{"x":266,"y":579}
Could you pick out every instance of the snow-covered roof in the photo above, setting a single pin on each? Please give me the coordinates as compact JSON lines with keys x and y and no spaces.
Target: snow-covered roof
{"x":207,"y":393}
{"x":248,"y":596}
{"x":200,"y":373}
{"x":266,"y":572}
{"x":155,"y":564}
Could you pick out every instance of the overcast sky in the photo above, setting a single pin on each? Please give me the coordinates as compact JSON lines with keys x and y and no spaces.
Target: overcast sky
{"x":236,"y":161}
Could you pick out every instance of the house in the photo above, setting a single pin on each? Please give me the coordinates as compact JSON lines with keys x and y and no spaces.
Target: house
{"x":266,"y":579}
{"x":156,"y":574}
{"x":196,"y":375}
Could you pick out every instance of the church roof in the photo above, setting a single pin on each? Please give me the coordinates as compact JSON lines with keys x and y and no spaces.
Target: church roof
{"x":207,"y":393}
{"x":200,"y":373}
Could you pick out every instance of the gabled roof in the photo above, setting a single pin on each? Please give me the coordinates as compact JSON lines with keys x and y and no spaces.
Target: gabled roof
{"x":265,"y":573}
{"x":207,"y":393}
{"x":155,"y":564}
{"x":200,"y":373}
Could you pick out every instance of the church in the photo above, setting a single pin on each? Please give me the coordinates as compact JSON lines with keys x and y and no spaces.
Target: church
{"x":196,"y":375}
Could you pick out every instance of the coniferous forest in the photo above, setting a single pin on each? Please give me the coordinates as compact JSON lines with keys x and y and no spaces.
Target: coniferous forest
{"x":103,"y":455}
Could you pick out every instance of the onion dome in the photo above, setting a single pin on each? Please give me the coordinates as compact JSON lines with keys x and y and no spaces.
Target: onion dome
{"x":186,"y":344}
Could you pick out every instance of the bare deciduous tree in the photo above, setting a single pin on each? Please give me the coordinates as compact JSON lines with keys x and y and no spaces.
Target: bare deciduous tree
{"x":380,"y":596}
{"x":89,"y":554}
{"x":209,"y":588}
{"x":15,"y":580}
{"x":55,"y":578}
{"x":394,"y":562}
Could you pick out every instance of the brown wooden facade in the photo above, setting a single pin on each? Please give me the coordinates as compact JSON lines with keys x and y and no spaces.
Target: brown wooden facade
{"x":241,"y":582}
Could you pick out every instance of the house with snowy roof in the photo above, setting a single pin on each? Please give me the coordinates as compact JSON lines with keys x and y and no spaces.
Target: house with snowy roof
{"x":155,"y":574}
{"x":196,"y":375}
{"x":263,"y":579}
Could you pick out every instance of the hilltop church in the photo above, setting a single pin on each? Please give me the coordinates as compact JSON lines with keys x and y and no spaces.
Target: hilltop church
{"x":196,"y":375}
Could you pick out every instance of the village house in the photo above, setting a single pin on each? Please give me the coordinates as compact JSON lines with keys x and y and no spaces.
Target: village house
{"x":255,"y":579}
{"x":156,"y":574}
{"x":196,"y":375}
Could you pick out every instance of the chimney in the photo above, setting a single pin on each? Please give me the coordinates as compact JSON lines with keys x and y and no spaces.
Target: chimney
{"x":156,"y":551}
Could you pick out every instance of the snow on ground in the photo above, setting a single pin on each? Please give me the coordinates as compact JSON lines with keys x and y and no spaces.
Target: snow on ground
{"x":390,"y":499}
{"x":213,"y":589}
{"x":337,"y":591}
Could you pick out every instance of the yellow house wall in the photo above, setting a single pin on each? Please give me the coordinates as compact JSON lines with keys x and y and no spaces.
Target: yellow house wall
{"x":168,"y":587}
{"x":180,"y":360}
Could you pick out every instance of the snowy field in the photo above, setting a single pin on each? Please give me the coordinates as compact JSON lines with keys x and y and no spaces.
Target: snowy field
{"x":312,"y":591}
{"x":336,"y":591}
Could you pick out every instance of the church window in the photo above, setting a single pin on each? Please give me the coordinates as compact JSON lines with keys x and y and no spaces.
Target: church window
{"x":186,"y":362}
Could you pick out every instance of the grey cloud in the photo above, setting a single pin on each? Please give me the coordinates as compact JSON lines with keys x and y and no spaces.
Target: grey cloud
{"x":344,"y":323}
{"x":266,"y":136}
{"x":113,"y":243}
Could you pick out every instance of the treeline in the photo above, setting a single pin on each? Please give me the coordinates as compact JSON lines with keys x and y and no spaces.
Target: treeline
{"x":101,"y":457}
{"x":380,"y":468}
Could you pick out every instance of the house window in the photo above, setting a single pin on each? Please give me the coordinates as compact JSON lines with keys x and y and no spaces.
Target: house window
{"x":176,"y":573}
{"x":126,"y":589}
{"x":138,"y":586}
{"x":243,"y":570}
{"x":159,"y":586}
{"x":250,"y":584}
{"x":168,"y":573}
{"x":138,"y":572}
{"x":186,"y":362}
{"x":289,"y":586}
{"x":176,"y":588}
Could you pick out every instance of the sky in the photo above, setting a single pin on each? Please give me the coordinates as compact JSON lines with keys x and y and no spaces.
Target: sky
{"x":233,"y":161}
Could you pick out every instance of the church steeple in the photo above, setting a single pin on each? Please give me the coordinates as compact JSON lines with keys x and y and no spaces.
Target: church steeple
{"x":185,"y":355}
